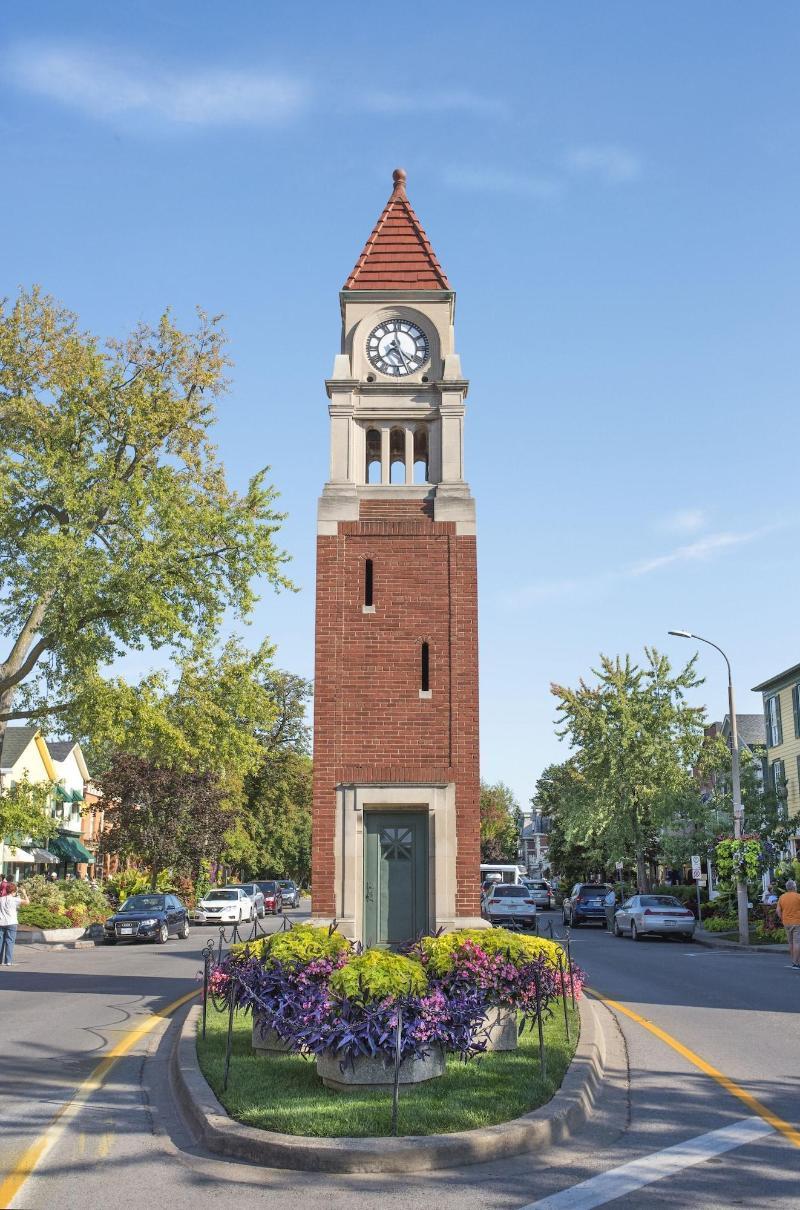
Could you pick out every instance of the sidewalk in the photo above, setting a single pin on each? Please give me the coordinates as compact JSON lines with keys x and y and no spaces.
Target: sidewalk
{"x":717,"y":941}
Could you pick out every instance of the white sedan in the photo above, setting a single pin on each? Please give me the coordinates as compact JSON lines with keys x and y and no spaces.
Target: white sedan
{"x":224,"y":905}
{"x":510,"y":906}
{"x":663,"y":915}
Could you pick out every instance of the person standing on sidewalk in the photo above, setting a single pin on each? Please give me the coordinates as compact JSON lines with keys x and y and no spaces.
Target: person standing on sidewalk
{"x":789,"y":915}
{"x":9,"y":903}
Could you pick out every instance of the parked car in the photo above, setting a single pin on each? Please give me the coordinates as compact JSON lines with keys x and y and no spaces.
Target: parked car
{"x":147,"y":917}
{"x":663,"y":915}
{"x":273,"y":896}
{"x":510,"y":906}
{"x":254,"y":892}
{"x":540,"y":892}
{"x":224,"y":905}
{"x":290,"y":893}
{"x":586,"y":901}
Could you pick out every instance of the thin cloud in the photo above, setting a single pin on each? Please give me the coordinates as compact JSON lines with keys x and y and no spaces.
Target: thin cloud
{"x":488,"y":180}
{"x":684,"y":521}
{"x":702,"y":549}
{"x":109,"y":88}
{"x":606,"y":162}
{"x":436,"y":101}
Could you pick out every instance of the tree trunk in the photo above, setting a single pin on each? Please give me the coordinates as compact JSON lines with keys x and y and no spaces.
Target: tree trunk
{"x":642,"y":877}
{"x":154,"y":872}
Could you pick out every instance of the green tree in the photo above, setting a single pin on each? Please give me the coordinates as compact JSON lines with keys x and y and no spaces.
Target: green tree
{"x":23,"y":813}
{"x":636,"y":742}
{"x":117,"y":527}
{"x":272,"y":837}
{"x":561,"y":795}
{"x":501,"y":820}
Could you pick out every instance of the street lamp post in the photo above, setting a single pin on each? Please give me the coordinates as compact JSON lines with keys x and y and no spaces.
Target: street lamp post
{"x":738,"y":809}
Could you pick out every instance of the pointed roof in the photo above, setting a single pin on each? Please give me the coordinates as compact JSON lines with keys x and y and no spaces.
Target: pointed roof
{"x":398,"y":254}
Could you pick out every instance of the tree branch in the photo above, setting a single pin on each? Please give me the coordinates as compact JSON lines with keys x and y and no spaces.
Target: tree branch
{"x":9,"y":716}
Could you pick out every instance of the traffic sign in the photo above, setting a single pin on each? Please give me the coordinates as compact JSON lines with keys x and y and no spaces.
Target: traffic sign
{"x":620,"y":866}
{"x":697,"y":868}
{"x":702,"y":880}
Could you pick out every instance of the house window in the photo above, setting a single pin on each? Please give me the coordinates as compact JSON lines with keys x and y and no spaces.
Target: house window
{"x":773,"y":720}
{"x":425,"y":669}
{"x":368,"y":582}
{"x":779,"y":778}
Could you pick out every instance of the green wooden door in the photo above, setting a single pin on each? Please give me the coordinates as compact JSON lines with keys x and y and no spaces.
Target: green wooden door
{"x":395,"y":876}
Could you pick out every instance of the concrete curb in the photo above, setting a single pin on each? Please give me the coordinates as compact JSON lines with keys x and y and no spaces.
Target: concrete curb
{"x":56,"y":939}
{"x":554,"y":1122}
{"x":713,"y":942}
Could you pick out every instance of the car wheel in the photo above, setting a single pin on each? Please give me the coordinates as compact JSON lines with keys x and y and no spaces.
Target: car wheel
{"x":162,"y":935}
{"x":617,"y":930}
{"x":109,"y":941}
{"x":184,"y":933}
{"x":634,"y":932}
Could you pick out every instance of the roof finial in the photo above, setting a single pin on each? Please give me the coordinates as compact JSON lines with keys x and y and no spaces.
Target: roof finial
{"x":399,"y":178}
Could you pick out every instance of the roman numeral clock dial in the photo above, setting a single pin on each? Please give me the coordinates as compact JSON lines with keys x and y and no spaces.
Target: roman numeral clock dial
{"x":397,"y":347}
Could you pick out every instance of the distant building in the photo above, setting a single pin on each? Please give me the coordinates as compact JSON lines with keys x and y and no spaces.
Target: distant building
{"x":534,"y":842}
{"x":781,"y":696}
{"x":752,"y":735}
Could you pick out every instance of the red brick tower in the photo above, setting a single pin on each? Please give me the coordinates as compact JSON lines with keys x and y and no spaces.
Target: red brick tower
{"x":396,"y":845}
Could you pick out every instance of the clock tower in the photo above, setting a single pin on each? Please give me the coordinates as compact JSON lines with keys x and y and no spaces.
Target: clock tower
{"x":396,"y":830}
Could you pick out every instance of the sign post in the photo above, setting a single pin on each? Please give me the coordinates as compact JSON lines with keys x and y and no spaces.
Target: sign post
{"x":620,"y":867}
{"x":697,"y":875}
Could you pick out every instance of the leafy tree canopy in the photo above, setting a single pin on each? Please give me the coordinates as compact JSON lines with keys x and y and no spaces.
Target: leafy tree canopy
{"x":117,"y":527}
{"x":23,"y":813}
{"x":500,"y":823}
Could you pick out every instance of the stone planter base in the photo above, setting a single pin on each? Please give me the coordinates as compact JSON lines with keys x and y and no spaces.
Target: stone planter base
{"x":367,"y":1073}
{"x":267,"y":1042}
{"x":501,"y":1025}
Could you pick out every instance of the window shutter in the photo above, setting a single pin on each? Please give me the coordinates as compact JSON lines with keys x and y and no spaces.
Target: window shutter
{"x":778,"y":717}
{"x":768,"y":721}
{"x":796,"y":708}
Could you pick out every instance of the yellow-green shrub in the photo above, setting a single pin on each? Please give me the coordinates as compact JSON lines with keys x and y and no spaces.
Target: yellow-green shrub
{"x":379,"y":975}
{"x":439,"y":951}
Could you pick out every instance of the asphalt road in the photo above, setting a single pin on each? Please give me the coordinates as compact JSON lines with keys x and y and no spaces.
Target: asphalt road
{"x":127,"y":1147}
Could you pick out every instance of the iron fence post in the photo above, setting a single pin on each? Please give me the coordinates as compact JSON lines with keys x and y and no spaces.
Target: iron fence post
{"x":229,"y":1043}
{"x":569,"y":965}
{"x":538,"y":988}
{"x":560,"y":958}
{"x":398,"y":1042}
{"x":208,"y":950}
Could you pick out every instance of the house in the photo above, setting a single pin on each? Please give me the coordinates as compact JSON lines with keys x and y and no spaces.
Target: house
{"x":24,"y":754}
{"x":73,"y":777}
{"x":534,"y":841}
{"x":781,"y":697}
{"x":752,"y":735}
{"x":61,"y":767}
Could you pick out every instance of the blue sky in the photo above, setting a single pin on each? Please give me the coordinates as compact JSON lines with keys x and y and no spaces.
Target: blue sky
{"x":613,"y":191}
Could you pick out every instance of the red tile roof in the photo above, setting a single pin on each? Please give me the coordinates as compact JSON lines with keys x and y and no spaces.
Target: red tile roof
{"x":398,"y":254}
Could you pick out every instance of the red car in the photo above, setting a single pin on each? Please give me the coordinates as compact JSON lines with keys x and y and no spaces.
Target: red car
{"x":273,"y":896}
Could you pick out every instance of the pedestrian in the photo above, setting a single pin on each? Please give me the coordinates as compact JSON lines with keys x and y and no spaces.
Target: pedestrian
{"x":53,"y":876}
{"x":9,"y":903}
{"x":789,"y":916}
{"x":769,"y":895}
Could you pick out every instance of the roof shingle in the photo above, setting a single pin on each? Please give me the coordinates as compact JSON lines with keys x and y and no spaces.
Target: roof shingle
{"x":398,"y":254}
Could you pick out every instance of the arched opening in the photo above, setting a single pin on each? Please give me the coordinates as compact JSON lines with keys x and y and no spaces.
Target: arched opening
{"x":372,"y":472}
{"x":421,"y":454}
{"x":397,"y":456}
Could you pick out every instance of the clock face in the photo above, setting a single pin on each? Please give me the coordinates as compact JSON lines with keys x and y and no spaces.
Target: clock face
{"x":397,"y":347}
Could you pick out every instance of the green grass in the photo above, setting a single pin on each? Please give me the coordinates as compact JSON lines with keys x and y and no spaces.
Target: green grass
{"x":285,"y":1094}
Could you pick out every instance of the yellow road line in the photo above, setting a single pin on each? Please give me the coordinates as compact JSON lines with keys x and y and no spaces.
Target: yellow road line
{"x":25,"y":1165}
{"x":785,"y":1128}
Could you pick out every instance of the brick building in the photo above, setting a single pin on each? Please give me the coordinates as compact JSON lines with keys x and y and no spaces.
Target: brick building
{"x":396,"y":778}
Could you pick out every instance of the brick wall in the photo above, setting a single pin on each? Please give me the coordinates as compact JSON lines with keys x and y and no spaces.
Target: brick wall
{"x":370,"y":724}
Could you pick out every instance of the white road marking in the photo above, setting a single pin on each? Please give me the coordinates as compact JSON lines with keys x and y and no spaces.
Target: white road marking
{"x":650,"y":1168}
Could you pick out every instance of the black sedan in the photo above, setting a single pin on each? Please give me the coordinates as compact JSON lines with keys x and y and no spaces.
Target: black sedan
{"x":148,"y":917}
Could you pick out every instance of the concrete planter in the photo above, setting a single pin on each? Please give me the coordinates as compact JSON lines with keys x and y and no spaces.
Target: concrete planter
{"x":26,"y":933}
{"x":267,"y":1042}
{"x":501,"y":1029}
{"x":367,"y":1073}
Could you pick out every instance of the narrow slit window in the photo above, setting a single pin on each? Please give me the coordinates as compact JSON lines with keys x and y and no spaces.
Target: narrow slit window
{"x":425,"y":668}
{"x":368,"y":582}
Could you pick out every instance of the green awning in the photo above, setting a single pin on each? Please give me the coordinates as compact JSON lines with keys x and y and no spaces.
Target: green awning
{"x":69,"y":848}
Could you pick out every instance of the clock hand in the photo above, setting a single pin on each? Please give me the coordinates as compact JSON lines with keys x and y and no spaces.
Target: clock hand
{"x":400,"y":351}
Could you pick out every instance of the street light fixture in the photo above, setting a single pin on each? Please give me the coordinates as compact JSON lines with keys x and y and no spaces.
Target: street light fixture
{"x":738,"y":809}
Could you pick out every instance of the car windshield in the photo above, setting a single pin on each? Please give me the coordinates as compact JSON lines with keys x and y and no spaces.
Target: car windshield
{"x":143,"y":903}
{"x":267,"y":887}
{"x":659,"y":901}
{"x":594,"y":892}
{"x":509,"y":892}
{"x":247,"y":887}
{"x":223,"y":895}
{"x":287,"y":884}
{"x":537,"y":886}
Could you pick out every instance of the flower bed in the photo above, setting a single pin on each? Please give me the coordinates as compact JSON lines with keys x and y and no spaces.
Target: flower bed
{"x":318,"y":995}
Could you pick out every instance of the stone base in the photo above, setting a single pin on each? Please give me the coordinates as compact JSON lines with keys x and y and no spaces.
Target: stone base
{"x":368,"y":1074}
{"x":267,"y":1042}
{"x":501,"y":1025}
